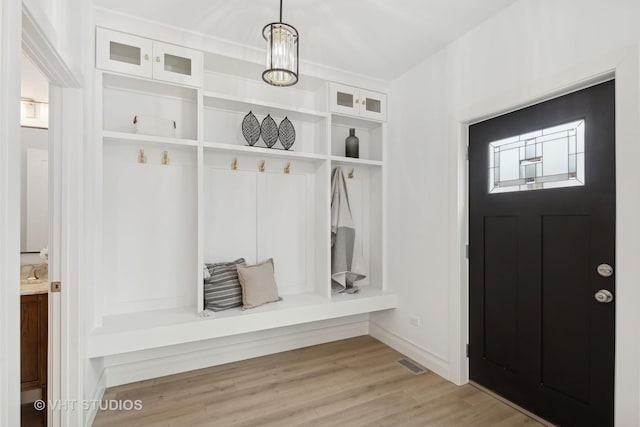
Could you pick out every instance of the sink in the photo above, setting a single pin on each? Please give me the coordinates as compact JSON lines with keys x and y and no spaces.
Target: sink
{"x":34,"y":274}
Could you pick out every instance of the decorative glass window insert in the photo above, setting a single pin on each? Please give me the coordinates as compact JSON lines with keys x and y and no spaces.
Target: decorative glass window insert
{"x":546,"y":158}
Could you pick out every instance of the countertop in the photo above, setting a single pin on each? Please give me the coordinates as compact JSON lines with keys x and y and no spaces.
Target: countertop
{"x":34,"y":286}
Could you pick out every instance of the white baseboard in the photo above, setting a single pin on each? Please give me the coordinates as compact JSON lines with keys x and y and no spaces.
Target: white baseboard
{"x":419,"y":354}
{"x":140,"y":366}
{"x":90,"y":414}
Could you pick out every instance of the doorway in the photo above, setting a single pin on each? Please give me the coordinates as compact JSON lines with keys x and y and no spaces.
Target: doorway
{"x":34,"y":243}
{"x":541,"y":256}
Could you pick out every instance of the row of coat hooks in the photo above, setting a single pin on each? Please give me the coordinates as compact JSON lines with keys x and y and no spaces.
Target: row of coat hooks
{"x":142,"y":158}
{"x":261,"y":166}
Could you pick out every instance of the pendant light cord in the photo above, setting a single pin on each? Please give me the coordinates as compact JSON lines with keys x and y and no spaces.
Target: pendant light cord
{"x":280,"y":10}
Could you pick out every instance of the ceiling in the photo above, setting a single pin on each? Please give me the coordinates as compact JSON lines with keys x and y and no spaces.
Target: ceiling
{"x":376,"y":38}
{"x":34,"y":84}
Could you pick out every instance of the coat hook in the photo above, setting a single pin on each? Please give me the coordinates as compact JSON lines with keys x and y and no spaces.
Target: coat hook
{"x":165,"y":157}
{"x":141,"y":157}
{"x":351,"y":174}
{"x":261,"y":167}
{"x":234,"y":165}
{"x":287,"y":168}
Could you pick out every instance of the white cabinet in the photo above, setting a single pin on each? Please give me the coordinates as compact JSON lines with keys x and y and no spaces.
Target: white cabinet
{"x":123,"y":53}
{"x":177,"y":64}
{"x":143,"y":57}
{"x":357,"y":102}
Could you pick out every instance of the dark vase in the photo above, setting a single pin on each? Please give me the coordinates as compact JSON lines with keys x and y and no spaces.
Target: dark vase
{"x":351,"y":144}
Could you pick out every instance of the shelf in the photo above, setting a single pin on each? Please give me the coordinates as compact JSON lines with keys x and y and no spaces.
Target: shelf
{"x":151,"y":139}
{"x":142,"y":331}
{"x":261,"y":108}
{"x":113,"y":80}
{"x":339,"y":160}
{"x":265,"y":152}
{"x":353,"y":121}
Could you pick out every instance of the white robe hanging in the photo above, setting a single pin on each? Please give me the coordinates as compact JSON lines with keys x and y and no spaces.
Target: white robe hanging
{"x":346,"y":256}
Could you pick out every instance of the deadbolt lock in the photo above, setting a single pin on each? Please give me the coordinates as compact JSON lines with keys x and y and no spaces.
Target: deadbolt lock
{"x":605,"y":270}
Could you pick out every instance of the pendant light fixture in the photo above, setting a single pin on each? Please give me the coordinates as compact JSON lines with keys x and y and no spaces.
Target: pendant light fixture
{"x":282,"y":53}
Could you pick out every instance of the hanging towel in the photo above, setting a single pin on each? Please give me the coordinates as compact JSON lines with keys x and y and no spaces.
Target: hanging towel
{"x":346,"y":262}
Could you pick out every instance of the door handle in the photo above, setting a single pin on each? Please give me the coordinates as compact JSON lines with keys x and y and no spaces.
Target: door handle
{"x":603,"y":296}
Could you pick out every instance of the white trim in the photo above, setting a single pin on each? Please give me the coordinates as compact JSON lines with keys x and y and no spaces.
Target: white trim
{"x":625,"y":65}
{"x":148,"y":364}
{"x":426,"y":358}
{"x":91,"y":413}
{"x":65,"y":148}
{"x":10,"y":29}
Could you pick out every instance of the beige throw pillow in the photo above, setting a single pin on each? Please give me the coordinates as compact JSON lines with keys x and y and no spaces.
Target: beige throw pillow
{"x":258,"y":284}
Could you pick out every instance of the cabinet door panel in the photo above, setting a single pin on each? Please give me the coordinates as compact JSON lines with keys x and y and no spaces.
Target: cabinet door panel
{"x":150,"y":235}
{"x":344,"y":99}
{"x":282,"y":228}
{"x":229,"y":215}
{"x":373,"y":105}
{"x":177,"y":64}
{"x":29,"y":339}
{"x":123,"y":53}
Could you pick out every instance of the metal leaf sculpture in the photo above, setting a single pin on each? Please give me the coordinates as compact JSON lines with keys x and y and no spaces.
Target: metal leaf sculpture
{"x":269,"y":131}
{"x":251,"y":128}
{"x":286,"y":133}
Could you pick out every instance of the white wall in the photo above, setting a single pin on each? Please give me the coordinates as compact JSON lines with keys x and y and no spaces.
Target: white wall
{"x":528,"y":51}
{"x":30,"y":138}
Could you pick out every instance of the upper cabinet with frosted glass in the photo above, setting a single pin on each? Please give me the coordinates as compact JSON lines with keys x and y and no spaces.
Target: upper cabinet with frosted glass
{"x":357,"y":102}
{"x":128,"y":54}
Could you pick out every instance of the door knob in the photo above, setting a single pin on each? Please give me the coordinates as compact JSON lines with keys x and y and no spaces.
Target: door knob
{"x":603,"y":296}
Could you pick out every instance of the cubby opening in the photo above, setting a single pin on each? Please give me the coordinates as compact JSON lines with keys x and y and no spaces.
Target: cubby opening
{"x":125,"y":98}
{"x":149,"y":227}
{"x":258,"y":209}
{"x":369,"y":134}
{"x":222,"y":119}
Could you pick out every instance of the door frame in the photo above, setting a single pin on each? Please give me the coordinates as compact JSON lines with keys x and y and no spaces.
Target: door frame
{"x":21,"y":30}
{"x":624,"y":66}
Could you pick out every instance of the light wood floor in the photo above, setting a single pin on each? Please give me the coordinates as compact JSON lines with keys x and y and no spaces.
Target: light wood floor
{"x":354,"y":382}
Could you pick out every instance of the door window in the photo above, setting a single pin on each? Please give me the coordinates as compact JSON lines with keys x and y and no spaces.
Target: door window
{"x":547,"y":158}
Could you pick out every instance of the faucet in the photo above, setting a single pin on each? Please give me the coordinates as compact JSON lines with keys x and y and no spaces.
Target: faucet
{"x":32,"y":274}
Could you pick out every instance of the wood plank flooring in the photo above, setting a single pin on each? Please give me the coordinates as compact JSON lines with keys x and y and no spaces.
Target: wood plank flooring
{"x":354,"y":382}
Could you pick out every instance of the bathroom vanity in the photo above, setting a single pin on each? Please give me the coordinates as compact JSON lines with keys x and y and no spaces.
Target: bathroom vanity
{"x":34,"y":301}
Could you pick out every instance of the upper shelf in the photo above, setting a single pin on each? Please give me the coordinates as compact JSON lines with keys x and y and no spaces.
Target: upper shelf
{"x":263,"y":152}
{"x":228,"y":102}
{"x":160,"y":140}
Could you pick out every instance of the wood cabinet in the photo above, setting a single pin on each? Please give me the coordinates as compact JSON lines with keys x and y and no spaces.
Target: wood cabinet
{"x":139,"y":56}
{"x":33,"y":342}
{"x":354,"y":101}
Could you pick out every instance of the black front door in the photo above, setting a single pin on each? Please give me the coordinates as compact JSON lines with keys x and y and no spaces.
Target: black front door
{"x":541,"y":256}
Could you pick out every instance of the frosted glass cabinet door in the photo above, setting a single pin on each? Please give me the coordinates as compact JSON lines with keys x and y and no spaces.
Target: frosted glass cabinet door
{"x":373,"y":105}
{"x":344,"y":99}
{"x":357,"y":102}
{"x":123,"y":53}
{"x":177,"y":64}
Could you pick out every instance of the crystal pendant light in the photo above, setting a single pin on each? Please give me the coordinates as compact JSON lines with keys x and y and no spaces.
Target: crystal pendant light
{"x":282,"y":53}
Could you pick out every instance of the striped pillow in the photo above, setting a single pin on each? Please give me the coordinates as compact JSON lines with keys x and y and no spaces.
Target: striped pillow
{"x":222,"y":289}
